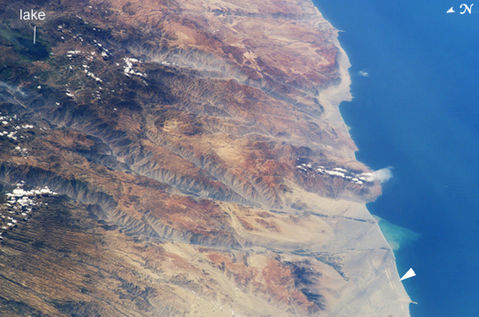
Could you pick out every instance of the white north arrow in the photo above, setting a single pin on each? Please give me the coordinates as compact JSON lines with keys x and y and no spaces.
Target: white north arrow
{"x":410,"y":273}
{"x":451,"y":10}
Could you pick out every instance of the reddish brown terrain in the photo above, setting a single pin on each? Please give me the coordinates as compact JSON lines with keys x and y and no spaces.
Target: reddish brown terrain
{"x":195,"y":161}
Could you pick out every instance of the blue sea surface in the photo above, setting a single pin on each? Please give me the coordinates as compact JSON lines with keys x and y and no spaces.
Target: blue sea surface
{"x":415,"y":82}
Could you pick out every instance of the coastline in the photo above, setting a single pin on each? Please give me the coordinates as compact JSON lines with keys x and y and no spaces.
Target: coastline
{"x":331,"y":98}
{"x":189,"y":139}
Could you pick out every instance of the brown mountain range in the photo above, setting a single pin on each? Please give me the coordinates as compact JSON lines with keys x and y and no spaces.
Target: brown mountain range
{"x":197,"y":162}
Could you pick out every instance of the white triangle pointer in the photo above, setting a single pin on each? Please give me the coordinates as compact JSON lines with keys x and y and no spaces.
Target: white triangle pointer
{"x":451,"y":10}
{"x":410,"y":273}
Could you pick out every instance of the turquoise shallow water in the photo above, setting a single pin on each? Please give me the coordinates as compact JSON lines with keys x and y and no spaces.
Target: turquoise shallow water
{"x":415,"y":73}
{"x":397,"y":236}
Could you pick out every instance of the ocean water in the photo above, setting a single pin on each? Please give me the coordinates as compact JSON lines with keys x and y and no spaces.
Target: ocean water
{"x":415,"y":82}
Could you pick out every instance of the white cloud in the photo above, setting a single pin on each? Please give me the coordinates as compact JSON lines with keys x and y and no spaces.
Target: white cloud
{"x":382,"y":175}
{"x":363,"y":73}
